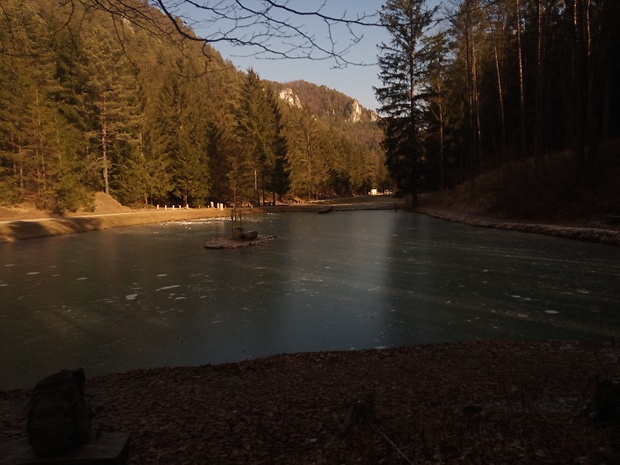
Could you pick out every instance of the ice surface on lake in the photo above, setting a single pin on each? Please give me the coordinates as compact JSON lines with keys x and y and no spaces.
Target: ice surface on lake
{"x":354,"y":279}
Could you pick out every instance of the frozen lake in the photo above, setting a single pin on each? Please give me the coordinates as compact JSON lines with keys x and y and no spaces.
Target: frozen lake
{"x":152,"y":296}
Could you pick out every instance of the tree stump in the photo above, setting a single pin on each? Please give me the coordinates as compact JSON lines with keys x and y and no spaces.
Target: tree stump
{"x":361,"y":412}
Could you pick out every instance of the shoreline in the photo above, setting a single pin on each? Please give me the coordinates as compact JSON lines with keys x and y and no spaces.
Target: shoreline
{"x":602,"y":235}
{"x":19,"y":229}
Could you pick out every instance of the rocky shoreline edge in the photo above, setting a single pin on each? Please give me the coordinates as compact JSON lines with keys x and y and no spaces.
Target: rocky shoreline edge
{"x":600,"y":235}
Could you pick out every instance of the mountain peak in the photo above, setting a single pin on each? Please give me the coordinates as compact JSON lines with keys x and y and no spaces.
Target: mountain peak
{"x":323,"y":101}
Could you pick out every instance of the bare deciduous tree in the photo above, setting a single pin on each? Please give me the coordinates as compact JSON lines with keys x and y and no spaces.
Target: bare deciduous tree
{"x":270,"y":29}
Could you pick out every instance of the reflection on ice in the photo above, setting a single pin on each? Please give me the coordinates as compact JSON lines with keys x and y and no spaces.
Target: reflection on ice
{"x":351,"y":279}
{"x":168,"y":287}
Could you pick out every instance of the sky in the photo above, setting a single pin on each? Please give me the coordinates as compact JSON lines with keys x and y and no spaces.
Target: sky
{"x":355,"y":80}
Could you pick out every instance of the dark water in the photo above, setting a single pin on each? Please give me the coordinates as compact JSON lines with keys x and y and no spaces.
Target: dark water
{"x":152,"y":296}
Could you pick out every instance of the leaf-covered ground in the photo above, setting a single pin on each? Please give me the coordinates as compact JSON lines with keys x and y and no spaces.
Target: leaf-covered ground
{"x":477,"y":402}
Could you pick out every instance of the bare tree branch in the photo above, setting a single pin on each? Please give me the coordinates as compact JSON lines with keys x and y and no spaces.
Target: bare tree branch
{"x":265,"y":29}
{"x":269,"y":29}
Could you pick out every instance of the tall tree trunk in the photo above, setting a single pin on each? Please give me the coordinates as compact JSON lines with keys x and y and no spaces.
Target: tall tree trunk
{"x":470,"y":99}
{"x":413,"y":148}
{"x":40,"y":141}
{"x":539,"y":160}
{"x":593,"y":82}
{"x":502,"y":113}
{"x":104,"y":144}
{"x":521,"y":81}
{"x":578,"y":63}
{"x":442,"y":123}
{"x":476,"y":100}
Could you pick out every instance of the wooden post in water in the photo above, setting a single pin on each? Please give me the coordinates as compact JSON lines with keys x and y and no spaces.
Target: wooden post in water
{"x":236,"y":218}
{"x":233,"y":221}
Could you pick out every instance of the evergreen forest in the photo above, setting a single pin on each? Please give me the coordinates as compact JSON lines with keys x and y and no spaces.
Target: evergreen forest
{"x":524,"y":89}
{"x":121,"y":97}
{"x":93,"y":100}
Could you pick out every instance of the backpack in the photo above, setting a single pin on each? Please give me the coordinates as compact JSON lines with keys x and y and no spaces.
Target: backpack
{"x":58,"y":418}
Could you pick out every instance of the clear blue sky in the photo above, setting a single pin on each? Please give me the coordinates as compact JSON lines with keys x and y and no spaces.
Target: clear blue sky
{"x":354,"y":81}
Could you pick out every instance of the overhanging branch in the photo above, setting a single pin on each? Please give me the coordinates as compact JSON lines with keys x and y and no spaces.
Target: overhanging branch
{"x":269,"y":29}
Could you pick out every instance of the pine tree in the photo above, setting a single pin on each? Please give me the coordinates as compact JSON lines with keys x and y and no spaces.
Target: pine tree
{"x":438,"y":114}
{"x":113,"y":93}
{"x":403,"y":63}
{"x":278,"y":169}
{"x":178,"y":136}
{"x":260,"y":133}
{"x":306,"y":155}
{"x":30,"y":152}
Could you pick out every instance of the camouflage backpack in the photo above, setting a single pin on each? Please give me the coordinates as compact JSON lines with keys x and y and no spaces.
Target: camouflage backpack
{"x":58,"y":418}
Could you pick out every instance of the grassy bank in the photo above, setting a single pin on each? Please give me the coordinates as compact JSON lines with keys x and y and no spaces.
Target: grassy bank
{"x":15,"y":230}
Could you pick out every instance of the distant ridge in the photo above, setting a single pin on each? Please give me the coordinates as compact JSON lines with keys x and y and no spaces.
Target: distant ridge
{"x":324,"y":102}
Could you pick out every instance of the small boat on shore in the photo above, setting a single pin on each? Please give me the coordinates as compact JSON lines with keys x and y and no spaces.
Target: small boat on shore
{"x":325,"y":209}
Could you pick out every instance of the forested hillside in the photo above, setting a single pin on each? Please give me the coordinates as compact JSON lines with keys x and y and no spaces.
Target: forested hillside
{"x":328,"y":104}
{"x":90,"y":102}
{"x":526,"y":89}
{"x":109,"y":96}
